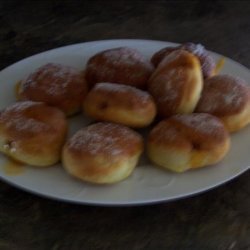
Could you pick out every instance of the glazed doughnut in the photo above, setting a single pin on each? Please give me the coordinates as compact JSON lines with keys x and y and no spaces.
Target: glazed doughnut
{"x":206,"y":61}
{"x":32,"y":133}
{"x":57,"y":85}
{"x":228,"y":98}
{"x":176,"y":84}
{"x":120,"y":65}
{"x":120,"y":104}
{"x":102,"y":153}
{"x":184,"y":142}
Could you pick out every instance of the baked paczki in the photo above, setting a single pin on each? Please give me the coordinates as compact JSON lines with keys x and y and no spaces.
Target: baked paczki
{"x":32,"y":133}
{"x":57,"y":85}
{"x":206,"y":61}
{"x":102,"y":153}
{"x":119,"y":65}
{"x":121,"y":104}
{"x":228,"y":98}
{"x":190,"y":141}
{"x":176,"y":84}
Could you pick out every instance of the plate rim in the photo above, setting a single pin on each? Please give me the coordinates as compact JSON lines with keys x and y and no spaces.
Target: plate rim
{"x":122,"y":204}
{"x":114,"y":40}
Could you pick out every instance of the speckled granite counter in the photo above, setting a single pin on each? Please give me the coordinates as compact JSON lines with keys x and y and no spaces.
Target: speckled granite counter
{"x":216,"y":220}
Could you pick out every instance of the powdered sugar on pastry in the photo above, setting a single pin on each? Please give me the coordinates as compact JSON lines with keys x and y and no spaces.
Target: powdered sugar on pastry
{"x":102,"y":138}
{"x":60,"y":75}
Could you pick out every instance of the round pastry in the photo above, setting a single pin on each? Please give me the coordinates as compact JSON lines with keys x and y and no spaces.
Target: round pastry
{"x":32,"y":133}
{"x":120,"y":104}
{"x":206,"y":61}
{"x":184,"y":142}
{"x":102,"y":153}
{"x":176,"y":84}
{"x":120,"y":65}
{"x":57,"y":85}
{"x":228,"y":98}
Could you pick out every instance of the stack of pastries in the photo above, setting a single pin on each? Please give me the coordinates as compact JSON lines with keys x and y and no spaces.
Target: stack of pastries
{"x":189,"y":109}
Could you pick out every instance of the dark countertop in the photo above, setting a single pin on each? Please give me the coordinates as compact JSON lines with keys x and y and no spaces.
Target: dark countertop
{"x":215,"y":220}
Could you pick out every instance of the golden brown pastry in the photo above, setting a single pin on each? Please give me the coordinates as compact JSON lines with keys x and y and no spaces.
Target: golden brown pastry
{"x":206,"y":61}
{"x":176,"y":84}
{"x":57,"y":85}
{"x":119,"y":65}
{"x":32,"y":133}
{"x":102,"y":153}
{"x":184,"y":142}
{"x":120,"y":104}
{"x":228,"y":98}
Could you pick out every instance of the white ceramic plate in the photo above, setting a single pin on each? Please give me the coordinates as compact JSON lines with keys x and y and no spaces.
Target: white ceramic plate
{"x":147,"y":184}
